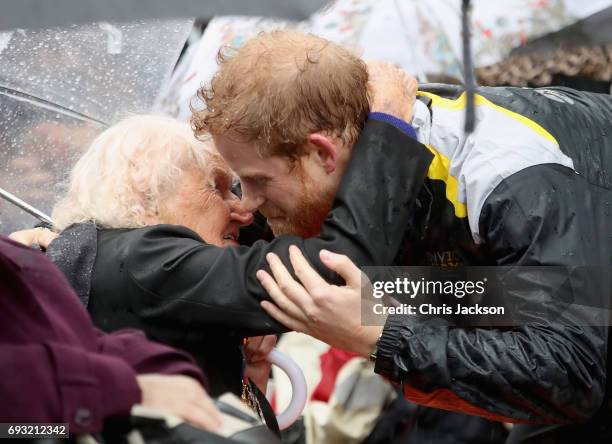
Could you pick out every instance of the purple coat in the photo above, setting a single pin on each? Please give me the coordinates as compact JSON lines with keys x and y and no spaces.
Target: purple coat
{"x":55,"y":366}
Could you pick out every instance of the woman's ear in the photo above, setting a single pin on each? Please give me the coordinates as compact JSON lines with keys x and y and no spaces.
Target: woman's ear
{"x":324,"y":151}
{"x":151,"y":217}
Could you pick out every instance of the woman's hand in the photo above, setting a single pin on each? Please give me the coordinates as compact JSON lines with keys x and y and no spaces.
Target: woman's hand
{"x":180,"y":396}
{"x":391,"y":89}
{"x":34,"y":236}
{"x":327,"y":312}
{"x":256,"y":351}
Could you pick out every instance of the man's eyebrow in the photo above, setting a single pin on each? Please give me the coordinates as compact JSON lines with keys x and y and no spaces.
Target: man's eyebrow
{"x":255,"y":176}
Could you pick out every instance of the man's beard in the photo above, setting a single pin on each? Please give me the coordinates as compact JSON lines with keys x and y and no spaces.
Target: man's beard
{"x":307,"y":217}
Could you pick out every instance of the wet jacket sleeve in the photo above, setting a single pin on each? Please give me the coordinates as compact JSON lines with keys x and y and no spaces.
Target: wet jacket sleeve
{"x":542,"y":371}
{"x":53,"y":382}
{"x":145,"y":356}
{"x":203,"y":285}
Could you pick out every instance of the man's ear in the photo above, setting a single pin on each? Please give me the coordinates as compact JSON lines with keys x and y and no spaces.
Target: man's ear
{"x":324,"y":151}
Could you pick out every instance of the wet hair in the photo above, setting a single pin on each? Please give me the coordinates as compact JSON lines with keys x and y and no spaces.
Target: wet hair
{"x":282,"y":86}
{"x":130,"y":169}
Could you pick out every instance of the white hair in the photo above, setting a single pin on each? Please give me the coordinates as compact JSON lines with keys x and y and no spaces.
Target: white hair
{"x":129,"y":169}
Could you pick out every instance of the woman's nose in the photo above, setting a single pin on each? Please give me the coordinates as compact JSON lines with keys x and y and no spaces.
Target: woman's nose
{"x":239,"y":214}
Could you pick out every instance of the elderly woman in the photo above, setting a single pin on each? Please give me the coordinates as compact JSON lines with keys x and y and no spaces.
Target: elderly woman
{"x":149,"y":231}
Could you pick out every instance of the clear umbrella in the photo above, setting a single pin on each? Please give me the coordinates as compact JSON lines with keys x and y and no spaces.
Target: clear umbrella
{"x":60,"y":87}
{"x":45,"y":13}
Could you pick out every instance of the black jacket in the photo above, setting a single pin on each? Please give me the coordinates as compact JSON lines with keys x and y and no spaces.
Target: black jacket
{"x":204,"y":299}
{"x":532,"y":186}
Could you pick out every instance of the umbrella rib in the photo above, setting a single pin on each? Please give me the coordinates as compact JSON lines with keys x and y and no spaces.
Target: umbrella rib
{"x":20,"y":95}
{"x":25,"y":206}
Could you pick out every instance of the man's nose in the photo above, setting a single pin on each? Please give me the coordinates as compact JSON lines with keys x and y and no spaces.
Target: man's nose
{"x":250,"y":201}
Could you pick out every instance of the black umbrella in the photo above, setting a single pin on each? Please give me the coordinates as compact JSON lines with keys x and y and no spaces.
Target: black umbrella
{"x":47,"y":13}
{"x":593,"y":30}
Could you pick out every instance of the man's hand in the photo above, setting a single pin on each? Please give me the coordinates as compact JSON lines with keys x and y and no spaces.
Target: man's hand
{"x":327,"y":312}
{"x":256,"y":352}
{"x":392,"y":90}
{"x":40,"y":236}
{"x":180,"y":396}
